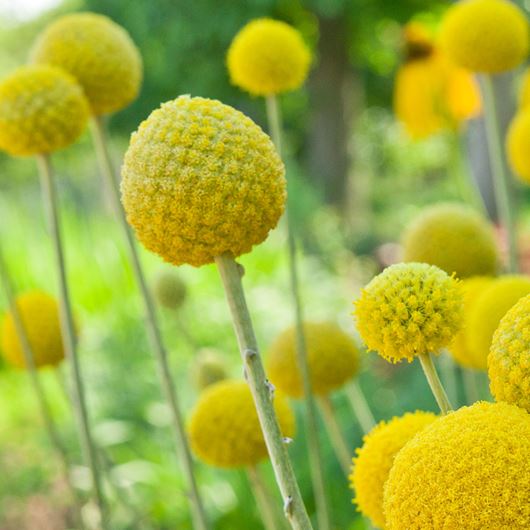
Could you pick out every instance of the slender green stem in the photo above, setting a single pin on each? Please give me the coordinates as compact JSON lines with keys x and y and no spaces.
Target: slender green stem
{"x":153,"y":328}
{"x":262,"y":392}
{"x":448,"y":374}
{"x":360,"y":406}
{"x":263,"y":498}
{"x":434,"y":382}
{"x":470,"y":385}
{"x":501,"y":182}
{"x":312,"y":430}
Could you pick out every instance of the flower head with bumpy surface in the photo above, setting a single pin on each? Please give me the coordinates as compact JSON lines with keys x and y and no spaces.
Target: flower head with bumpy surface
{"x":453,"y":237}
{"x":409,"y":309}
{"x":224,"y":428}
{"x":488,"y":36}
{"x":509,"y":357}
{"x":42,"y":109}
{"x":200,"y":179}
{"x":518,"y":145}
{"x":169,"y":289}
{"x":467,"y":470}
{"x":99,"y":53}
{"x":332,"y":356}
{"x":40,"y":316}
{"x":374,"y":460}
{"x":486,"y":313}
{"x":268,"y":57}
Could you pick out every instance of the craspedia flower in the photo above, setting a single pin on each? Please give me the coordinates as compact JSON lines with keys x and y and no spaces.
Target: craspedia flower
{"x":42,"y":109}
{"x":469,"y":469}
{"x":99,"y":53}
{"x":509,"y":357}
{"x":208,"y":367}
{"x":169,"y":289}
{"x":460,"y":350}
{"x":453,"y":237}
{"x":200,"y":179}
{"x":40,"y":316}
{"x":524,"y":90}
{"x":408,"y":310}
{"x":487,"y":311}
{"x":224,"y":428}
{"x":374,"y":460}
{"x":268,"y":57}
{"x":518,"y":145}
{"x":332,"y":356}
{"x":487,"y":36}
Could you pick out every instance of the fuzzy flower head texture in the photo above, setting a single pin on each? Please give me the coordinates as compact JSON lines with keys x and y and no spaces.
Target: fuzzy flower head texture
{"x":409,"y":309}
{"x":374,"y":460}
{"x":518,"y":145}
{"x":509,"y":357}
{"x":40,"y":316}
{"x":453,"y":237}
{"x":99,"y":53}
{"x":200,"y":179}
{"x":208,"y":367}
{"x":42,"y":109}
{"x":467,"y":470}
{"x":333,"y":359}
{"x":169,"y":289}
{"x":224,"y":429}
{"x":486,"y":313}
{"x":487,"y":36}
{"x":268,"y":57}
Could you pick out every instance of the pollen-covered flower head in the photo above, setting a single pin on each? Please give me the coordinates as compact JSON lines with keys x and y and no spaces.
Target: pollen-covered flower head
{"x":332,"y":356}
{"x":200,"y":179}
{"x":409,"y":309}
{"x":42,"y":109}
{"x":518,"y":145}
{"x":40,"y":316}
{"x":169,"y":289}
{"x":509,"y":357}
{"x":208,"y":367}
{"x":486,"y":313}
{"x":268,"y":57}
{"x":99,"y":53}
{"x":453,"y":237}
{"x":374,"y":460}
{"x":224,"y":429}
{"x":488,"y":36}
{"x":467,"y":470}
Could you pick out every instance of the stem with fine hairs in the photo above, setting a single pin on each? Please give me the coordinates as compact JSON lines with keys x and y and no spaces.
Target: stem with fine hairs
{"x":434,"y":382}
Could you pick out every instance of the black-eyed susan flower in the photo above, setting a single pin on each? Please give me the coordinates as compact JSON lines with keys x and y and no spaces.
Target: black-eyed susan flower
{"x":169,"y":289}
{"x":518,"y":145}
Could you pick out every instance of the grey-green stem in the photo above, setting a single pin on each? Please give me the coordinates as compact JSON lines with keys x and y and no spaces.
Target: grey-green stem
{"x":263,"y":498}
{"x":434,"y":382}
{"x":360,"y":406}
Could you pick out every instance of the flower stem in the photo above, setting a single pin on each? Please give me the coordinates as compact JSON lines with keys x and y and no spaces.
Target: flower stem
{"x":470,"y":385}
{"x":262,"y":394}
{"x":153,"y":328}
{"x":263,"y":498}
{"x":501,"y":184}
{"x":434,"y":382}
{"x":448,"y":374}
{"x":312,"y":430}
{"x":360,"y":406}
{"x":68,"y":334}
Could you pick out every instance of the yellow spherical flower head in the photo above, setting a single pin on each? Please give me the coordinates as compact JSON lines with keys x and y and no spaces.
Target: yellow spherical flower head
{"x":524,"y":90}
{"x":509,"y":357}
{"x":332,"y":356}
{"x":467,"y":470}
{"x":224,"y":428}
{"x":208,"y":367}
{"x":42,"y":109}
{"x":200,"y":179}
{"x":488,"y":36}
{"x":518,"y":145}
{"x":409,"y":309}
{"x":486,"y":313}
{"x":40,"y":316}
{"x":374,"y":460}
{"x":169,"y":289}
{"x":99,"y":53}
{"x":268,"y":57}
{"x":460,"y":350}
{"x":453,"y":237}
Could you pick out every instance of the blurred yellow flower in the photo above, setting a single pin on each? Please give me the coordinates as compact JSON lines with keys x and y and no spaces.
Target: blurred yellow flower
{"x":518,"y":145}
{"x":208,"y":367}
{"x":169,"y":289}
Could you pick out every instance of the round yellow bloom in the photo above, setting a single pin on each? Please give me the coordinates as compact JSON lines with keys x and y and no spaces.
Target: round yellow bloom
{"x":509,"y":357}
{"x":332,"y":356}
{"x":488,"y":36}
{"x":453,"y":237}
{"x":518,"y":145}
{"x":201,"y":179}
{"x":42,"y":109}
{"x":40,"y":315}
{"x":224,"y":428}
{"x":409,"y":309}
{"x":99,"y":53}
{"x":208,"y":367}
{"x":268,"y":57}
{"x":467,"y":470}
{"x":374,"y":460}
{"x":487,"y":311}
{"x":524,"y":91}
{"x":460,"y":349}
{"x":169,"y":289}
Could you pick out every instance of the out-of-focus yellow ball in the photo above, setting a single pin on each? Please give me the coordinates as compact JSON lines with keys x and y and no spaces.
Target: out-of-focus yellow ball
{"x":207,"y":368}
{"x":518,"y":145}
{"x":169,"y":289}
